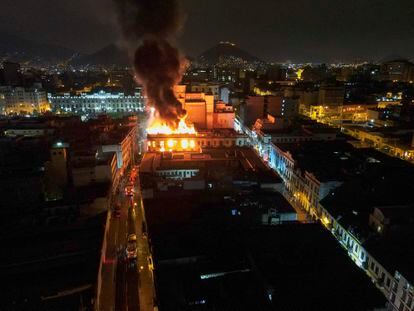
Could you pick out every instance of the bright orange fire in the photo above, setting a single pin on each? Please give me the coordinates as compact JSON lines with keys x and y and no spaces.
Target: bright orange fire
{"x":158,"y":127}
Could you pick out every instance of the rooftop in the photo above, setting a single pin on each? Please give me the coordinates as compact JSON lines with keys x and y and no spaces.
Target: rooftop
{"x":394,"y":250}
{"x":305,"y":261}
{"x":338,"y":160}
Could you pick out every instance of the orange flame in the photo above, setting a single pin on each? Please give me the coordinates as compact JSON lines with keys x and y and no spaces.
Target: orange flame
{"x":158,"y":127}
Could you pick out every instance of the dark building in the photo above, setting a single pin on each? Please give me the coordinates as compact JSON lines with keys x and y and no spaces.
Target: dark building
{"x":11,"y":74}
{"x":218,"y":247}
{"x":398,"y":70}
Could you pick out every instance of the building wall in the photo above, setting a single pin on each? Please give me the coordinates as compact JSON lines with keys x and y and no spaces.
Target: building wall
{"x":378,"y":141}
{"x":331,"y":95}
{"x":207,"y":88}
{"x":277,"y":218}
{"x":273,"y":105}
{"x":254,"y":109}
{"x":398,"y":71}
{"x":98,"y":173}
{"x":2,"y":104}
{"x":306,"y":100}
{"x":225,"y":94}
{"x":95,"y":103}
{"x":196,"y":114}
{"x":401,"y":294}
{"x":209,"y":110}
{"x":195,"y":143}
{"x":28,"y":132}
{"x":19,"y":100}
{"x":125,"y":149}
{"x":177,"y":173}
{"x":56,"y":177}
{"x":83,"y":176}
{"x":223,"y":120}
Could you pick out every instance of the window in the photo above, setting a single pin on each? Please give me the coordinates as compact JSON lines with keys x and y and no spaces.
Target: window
{"x":409,"y":301}
{"x":404,"y":295}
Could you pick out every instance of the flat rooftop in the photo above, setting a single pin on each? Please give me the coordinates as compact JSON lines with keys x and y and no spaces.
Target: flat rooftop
{"x":384,"y":182}
{"x":225,"y":267}
{"x":244,"y":160}
{"x":306,"y":269}
{"x":337,"y":160}
{"x":394,"y":250}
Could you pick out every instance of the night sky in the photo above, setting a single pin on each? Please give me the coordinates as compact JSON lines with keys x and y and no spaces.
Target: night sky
{"x":278,"y":30}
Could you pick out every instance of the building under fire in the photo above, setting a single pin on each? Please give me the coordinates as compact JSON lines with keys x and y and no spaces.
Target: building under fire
{"x":196,"y":142}
{"x":208,"y":124}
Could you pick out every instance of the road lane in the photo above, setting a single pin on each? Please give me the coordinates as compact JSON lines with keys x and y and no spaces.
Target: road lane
{"x":127,"y":286}
{"x":146,"y":288}
{"x":113,"y":272}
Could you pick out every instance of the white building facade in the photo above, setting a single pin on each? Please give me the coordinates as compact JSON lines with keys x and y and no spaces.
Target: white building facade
{"x":98,"y":102}
{"x":20,"y":100}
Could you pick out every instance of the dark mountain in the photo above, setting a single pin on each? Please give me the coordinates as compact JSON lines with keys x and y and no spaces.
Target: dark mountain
{"x":393,"y":57}
{"x":226,"y":52}
{"x":110,"y":55}
{"x":18,"y":49}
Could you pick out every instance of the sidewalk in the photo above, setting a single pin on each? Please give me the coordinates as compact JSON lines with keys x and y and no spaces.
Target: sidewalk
{"x":146,"y":288}
{"x":107,"y":299}
{"x":114,"y":238}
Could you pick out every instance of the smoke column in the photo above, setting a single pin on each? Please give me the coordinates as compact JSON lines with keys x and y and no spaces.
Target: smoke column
{"x":151,"y":24}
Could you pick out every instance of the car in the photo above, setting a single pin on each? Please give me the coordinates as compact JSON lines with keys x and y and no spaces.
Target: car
{"x":131,"y":249}
{"x":132,"y":238}
{"x":129,"y":190}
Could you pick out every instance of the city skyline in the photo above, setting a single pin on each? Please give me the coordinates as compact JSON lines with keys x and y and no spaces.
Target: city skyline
{"x":322,"y":31}
{"x":272,"y":169}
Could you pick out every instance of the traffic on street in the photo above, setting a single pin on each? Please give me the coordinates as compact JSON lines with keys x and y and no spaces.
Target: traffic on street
{"x":127,"y":282}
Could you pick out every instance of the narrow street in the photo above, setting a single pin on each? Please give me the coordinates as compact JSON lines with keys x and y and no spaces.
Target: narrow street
{"x":127,"y":284}
{"x":302,"y":215}
{"x":144,"y":263}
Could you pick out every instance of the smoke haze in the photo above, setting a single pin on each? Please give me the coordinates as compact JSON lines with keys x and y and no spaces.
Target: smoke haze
{"x":151,"y":25}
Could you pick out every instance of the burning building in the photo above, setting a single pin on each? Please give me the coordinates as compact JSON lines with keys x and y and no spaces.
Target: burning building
{"x":148,"y":27}
{"x":207,"y":124}
{"x":196,"y":142}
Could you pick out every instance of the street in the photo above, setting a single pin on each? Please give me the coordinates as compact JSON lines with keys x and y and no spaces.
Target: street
{"x":127,"y":284}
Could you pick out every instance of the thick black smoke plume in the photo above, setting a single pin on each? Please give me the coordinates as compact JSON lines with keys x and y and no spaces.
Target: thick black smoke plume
{"x":158,"y":64}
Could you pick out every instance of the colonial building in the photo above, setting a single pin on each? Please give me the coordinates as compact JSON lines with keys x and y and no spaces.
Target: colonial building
{"x":94,"y":103}
{"x":20,"y":100}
